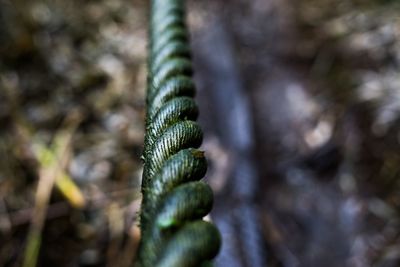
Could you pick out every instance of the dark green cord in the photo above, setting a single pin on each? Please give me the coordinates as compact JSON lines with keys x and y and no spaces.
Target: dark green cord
{"x":174,"y":200}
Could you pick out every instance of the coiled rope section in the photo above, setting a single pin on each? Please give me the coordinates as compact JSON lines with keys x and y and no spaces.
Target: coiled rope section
{"x":174,"y":200}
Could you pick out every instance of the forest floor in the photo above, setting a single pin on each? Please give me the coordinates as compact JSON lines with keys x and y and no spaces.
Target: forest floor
{"x":322,"y":86}
{"x":299,"y":101}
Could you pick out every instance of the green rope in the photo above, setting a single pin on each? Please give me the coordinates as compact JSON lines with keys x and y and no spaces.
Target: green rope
{"x":174,"y":200}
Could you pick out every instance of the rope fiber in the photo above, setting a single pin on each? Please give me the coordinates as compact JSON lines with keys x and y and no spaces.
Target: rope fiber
{"x":174,"y":200}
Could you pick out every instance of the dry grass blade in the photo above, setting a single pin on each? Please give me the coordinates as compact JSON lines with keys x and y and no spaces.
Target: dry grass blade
{"x":51,"y":165}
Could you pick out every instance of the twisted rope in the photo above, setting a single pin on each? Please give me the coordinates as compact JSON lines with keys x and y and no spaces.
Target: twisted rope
{"x":174,"y":200}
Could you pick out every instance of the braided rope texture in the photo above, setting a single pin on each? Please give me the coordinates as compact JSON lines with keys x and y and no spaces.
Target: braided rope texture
{"x":174,"y":200}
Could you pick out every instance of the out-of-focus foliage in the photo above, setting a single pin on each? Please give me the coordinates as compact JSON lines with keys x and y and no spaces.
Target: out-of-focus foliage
{"x":58,"y":58}
{"x":354,"y":47}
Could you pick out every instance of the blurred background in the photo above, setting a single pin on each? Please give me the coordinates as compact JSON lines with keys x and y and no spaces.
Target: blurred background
{"x":299,"y":101}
